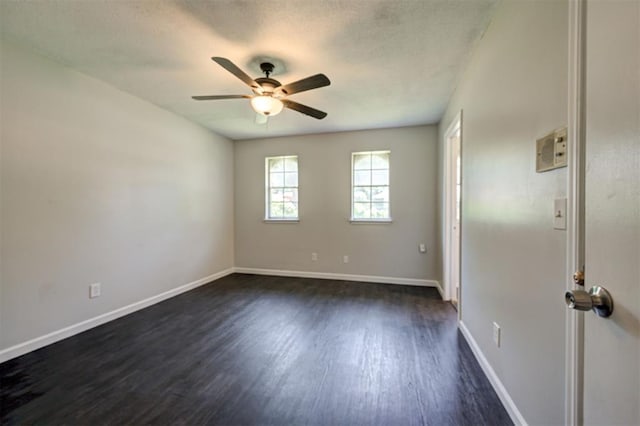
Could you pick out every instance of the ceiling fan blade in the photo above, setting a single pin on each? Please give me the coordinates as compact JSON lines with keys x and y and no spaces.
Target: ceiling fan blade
{"x":216,"y":97}
{"x":313,"y":82}
{"x":233,"y":69}
{"x":312,"y":112}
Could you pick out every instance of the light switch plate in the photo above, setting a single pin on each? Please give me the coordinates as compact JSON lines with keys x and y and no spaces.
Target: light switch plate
{"x":560,"y":213}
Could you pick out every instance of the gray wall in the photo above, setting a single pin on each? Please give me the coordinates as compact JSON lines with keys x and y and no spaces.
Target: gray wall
{"x":513,"y":92}
{"x":99,"y":186}
{"x":389,"y":250}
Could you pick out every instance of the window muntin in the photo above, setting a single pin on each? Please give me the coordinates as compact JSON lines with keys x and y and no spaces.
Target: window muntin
{"x":281,"y":188}
{"x":370,"y":199}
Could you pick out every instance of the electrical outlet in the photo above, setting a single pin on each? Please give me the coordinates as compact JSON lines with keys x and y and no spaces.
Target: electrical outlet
{"x":496,"y":334}
{"x":345,"y":259}
{"x":94,"y":290}
{"x":314,"y":256}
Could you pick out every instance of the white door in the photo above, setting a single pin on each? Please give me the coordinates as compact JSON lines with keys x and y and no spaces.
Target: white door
{"x":612,"y":211}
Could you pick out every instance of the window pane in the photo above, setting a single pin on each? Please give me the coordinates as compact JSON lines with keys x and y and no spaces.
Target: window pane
{"x":276,"y":180}
{"x":290,"y":209}
{"x":380,"y":177}
{"x":277,"y":210}
{"x":277,"y":195}
{"x":380,"y":161}
{"x":291,"y":179}
{"x":362,"y":161}
{"x":291,"y":164}
{"x":290,"y":194}
{"x":362,"y":177}
{"x":380,"y":193}
{"x":361,"y":193}
{"x":361,"y":210}
{"x":276,"y":164}
{"x":379,"y":210}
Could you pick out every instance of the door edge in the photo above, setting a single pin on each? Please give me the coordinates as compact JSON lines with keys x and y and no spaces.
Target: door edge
{"x":574,"y":320}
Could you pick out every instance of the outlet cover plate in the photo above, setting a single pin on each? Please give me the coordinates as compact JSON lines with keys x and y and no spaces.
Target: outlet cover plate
{"x":94,"y":290}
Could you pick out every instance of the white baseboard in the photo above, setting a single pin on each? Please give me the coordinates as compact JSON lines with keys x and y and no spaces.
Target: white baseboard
{"x":55,"y":336}
{"x":504,"y":396}
{"x":343,"y":277}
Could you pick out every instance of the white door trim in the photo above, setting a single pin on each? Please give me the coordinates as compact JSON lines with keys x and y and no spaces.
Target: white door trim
{"x":575,"y":208}
{"x":449,"y":186}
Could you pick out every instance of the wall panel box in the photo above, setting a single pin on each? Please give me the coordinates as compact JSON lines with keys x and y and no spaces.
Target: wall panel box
{"x":551,"y":151}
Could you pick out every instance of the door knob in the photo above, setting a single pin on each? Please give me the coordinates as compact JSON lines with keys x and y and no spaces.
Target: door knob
{"x":597,"y":299}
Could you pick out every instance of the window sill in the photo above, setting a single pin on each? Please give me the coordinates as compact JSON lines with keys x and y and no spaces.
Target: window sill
{"x":281,"y":220}
{"x":371,"y":221}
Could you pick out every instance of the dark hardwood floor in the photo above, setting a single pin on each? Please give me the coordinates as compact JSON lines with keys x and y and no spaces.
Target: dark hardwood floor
{"x":256,"y":350}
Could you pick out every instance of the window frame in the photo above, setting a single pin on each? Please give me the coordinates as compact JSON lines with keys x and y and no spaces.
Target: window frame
{"x":384,"y":220}
{"x":267,"y":170}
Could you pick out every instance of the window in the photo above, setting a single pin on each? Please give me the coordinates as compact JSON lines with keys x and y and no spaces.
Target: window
{"x":281,"y":188}
{"x":370,"y":186}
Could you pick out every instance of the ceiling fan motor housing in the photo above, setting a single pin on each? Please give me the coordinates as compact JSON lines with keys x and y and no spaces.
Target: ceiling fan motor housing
{"x":268,"y":84}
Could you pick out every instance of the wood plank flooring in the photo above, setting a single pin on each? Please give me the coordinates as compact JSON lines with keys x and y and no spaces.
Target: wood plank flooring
{"x":257,"y":350}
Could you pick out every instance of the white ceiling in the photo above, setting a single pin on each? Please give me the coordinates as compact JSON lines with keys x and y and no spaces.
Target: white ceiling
{"x":391,"y":63}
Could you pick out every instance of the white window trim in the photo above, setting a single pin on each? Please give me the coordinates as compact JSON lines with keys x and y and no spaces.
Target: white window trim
{"x":267,"y":192}
{"x":382,"y":221}
{"x":385,"y":220}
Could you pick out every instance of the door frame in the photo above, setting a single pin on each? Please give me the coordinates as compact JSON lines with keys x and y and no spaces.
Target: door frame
{"x":449,"y":187}
{"x":574,"y":347}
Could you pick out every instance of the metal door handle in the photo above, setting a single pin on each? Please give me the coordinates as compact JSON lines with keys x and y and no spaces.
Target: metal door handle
{"x":597,"y":299}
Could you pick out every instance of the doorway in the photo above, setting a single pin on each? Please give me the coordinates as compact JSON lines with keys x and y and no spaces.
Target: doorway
{"x":452,"y":211}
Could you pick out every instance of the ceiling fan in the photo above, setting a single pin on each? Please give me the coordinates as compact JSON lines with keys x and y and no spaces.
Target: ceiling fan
{"x":270,"y":97}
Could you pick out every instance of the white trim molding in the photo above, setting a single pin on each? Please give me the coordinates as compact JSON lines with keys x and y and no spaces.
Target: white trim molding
{"x":55,"y":336}
{"x":448,"y":211}
{"x":342,"y":277}
{"x":495,"y":381}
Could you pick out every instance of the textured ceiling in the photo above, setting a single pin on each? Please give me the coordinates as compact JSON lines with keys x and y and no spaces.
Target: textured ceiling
{"x":391,"y":63}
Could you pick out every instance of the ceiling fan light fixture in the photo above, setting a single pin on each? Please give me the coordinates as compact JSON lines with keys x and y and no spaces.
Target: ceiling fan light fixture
{"x":267,"y":105}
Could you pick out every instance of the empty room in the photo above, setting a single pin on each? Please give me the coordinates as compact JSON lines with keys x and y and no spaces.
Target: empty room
{"x":340,"y":212}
